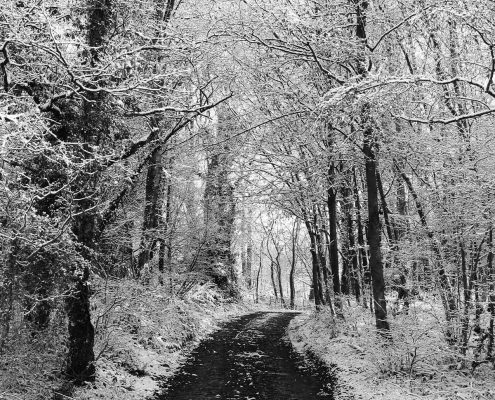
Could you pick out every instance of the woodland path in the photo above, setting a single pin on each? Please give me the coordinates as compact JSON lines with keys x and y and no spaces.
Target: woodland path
{"x":250,"y":359}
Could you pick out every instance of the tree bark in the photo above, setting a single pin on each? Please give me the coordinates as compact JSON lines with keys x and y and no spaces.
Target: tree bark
{"x":322,"y":261}
{"x":80,"y":358}
{"x":7,"y":293}
{"x":334,"y":248}
{"x":491,"y":296}
{"x":361,"y":253}
{"x":400,"y":227}
{"x":219,"y":220}
{"x":280,"y":286}
{"x":374,"y":234}
{"x":467,"y":300}
{"x":272,"y":276}
{"x":351,"y":277}
{"x":249,"y":255}
{"x":152,"y":208}
{"x":317,"y":289}
{"x":370,"y":152}
{"x":257,"y":299}
{"x":165,"y":256}
{"x":385,"y":209}
{"x":292,"y":286}
{"x":246,"y":250}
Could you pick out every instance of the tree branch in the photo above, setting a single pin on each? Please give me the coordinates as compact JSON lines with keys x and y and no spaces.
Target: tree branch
{"x":154,"y":133}
{"x":372,"y":48}
{"x":446,"y":121}
{"x":322,"y":68}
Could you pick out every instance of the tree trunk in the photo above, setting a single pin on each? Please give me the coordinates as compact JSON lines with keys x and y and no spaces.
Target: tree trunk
{"x":219,"y":219}
{"x":334,"y":248}
{"x":258,"y":277}
{"x":317,"y":292}
{"x":246,"y":250}
{"x":243,"y":260}
{"x":351,"y":280}
{"x":322,"y":246}
{"x":166,"y":233}
{"x":292,"y":286}
{"x":249,"y":255}
{"x":80,"y":358}
{"x":280,"y":286}
{"x":474,"y":285}
{"x":362,"y":256}
{"x":491,"y":296}
{"x":374,"y":234}
{"x":467,"y":300}
{"x":332,"y":220}
{"x":7,"y":292}
{"x":400,"y":227}
{"x":152,"y":208}
{"x":355,"y":275}
{"x":272,"y":276}
{"x":370,"y":152}
{"x":385,"y":209}
{"x":168,"y":236}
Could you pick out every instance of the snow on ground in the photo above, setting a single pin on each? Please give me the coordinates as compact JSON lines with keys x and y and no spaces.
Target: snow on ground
{"x":142,"y":335}
{"x":417,"y":365}
{"x":152,"y":337}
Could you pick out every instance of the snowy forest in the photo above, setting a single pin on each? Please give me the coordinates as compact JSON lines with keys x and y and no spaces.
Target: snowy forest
{"x":175,"y":171}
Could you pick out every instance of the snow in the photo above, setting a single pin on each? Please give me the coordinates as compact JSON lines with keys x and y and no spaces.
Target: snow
{"x":415,"y":366}
{"x":154,"y":336}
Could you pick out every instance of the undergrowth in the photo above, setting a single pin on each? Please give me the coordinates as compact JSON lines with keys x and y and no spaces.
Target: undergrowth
{"x":141,"y":332}
{"x":415,"y":360}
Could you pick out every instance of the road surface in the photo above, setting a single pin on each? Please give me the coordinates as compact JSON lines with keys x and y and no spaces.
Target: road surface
{"x":249,"y":359}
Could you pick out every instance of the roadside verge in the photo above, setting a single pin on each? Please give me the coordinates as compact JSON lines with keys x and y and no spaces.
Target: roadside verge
{"x":416,"y":364}
{"x":143,"y":336}
{"x":315,"y":336}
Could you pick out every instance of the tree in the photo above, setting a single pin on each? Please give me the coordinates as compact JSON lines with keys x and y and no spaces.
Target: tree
{"x":220,"y":210}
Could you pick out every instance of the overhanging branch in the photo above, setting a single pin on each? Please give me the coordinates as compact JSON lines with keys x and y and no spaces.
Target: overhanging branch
{"x":154,"y":133}
{"x":446,"y":121}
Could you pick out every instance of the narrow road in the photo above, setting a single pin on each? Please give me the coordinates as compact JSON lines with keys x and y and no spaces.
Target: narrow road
{"x":249,"y":359}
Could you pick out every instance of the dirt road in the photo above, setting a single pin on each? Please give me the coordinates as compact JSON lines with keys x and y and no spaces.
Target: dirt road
{"x":249,"y":359}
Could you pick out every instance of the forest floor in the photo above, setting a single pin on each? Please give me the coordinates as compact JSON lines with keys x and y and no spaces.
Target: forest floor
{"x":142,"y":336}
{"x":154,"y":343}
{"x":416,"y":365}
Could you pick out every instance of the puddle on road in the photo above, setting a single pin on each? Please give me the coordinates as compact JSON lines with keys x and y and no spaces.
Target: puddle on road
{"x":249,"y":359}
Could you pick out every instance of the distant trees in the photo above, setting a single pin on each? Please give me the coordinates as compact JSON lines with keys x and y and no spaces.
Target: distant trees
{"x":392,"y":88}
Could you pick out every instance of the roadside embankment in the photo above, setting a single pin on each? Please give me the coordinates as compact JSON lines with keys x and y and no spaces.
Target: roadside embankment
{"x":416,"y":364}
{"x":143,"y":335}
